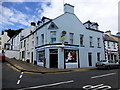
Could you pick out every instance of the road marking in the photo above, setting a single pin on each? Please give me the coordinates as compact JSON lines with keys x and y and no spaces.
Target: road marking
{"x":54,"y":84}
{"x":103,"y":75}
{"x":20,"y":76}
{"x":96,"y":87}
{"x":18,"y":82}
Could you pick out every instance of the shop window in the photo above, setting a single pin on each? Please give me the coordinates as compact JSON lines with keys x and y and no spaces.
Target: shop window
{"x":40,"y":56}
{"x":70,"y":56}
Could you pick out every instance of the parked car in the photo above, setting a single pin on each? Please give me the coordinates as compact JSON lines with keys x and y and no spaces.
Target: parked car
{"x":108,"y":64}
{"x":2,"y":57}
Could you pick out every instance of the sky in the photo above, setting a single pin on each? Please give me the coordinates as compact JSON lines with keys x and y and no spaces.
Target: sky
{"x":16,"y":14}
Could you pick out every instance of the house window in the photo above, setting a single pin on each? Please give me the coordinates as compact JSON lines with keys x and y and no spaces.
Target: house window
{"x":108,"y":43}
{"x":36,"y":40}
{"x":24,"y":43}
{"x":98,"y":56}
{"x":53,"y":36}
{"x":91,"y":41}
{"x":40,"y":55}
{"x":90,"y":59}
{"x":98,"y":41}
{"x":21,"y":44}
{"x":0,"y":43}
{"x":81,"y":40}
{"x":23,"y":54}
{"x":0,"y":38}
{"x":70,"y":56}
{"x":42,"y":38}
{"x":32,"y":43}
{"x":114,"y":45}
{"x":71,"y":38}
{"x":27,"y":46}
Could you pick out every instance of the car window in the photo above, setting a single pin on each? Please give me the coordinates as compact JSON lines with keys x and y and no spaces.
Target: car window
{"x":103,"y":61}
{"x":110,"y":61}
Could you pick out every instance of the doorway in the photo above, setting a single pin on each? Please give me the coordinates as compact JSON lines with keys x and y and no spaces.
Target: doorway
{"x":31,"y":57}
{"x":53,"y":58}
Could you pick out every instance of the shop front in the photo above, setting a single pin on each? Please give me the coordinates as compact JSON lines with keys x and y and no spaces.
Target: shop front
{"x":57,"y":56}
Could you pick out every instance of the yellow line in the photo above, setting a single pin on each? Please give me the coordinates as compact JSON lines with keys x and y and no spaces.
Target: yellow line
{"x":13,"y":68}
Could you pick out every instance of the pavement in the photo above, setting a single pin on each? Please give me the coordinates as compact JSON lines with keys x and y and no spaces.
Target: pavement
{"x":23,"y":66}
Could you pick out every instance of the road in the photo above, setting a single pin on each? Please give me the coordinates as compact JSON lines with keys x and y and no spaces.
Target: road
{"x":95,"y":78}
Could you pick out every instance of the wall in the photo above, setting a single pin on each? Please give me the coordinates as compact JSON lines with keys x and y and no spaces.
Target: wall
{"x":12,"y":54}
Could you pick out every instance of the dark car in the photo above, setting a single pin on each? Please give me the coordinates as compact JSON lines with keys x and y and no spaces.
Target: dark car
{"x":108,"y":64}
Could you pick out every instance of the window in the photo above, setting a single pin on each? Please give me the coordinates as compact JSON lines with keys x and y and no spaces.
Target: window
{"x":108,"y":43}
{"x":114,"y":45}
{"x":42,"y":38}
{"x":81,"y":40}
{"x":53,"y":36}
{"x":90,"y":59}
{"x":98,"y":41}
{"x":23,"y":54}
{"x":21,"y":44}
{"x":27,"y":46}
{"x":40,"y":56}
{"x":91,"y":41}
{"x":0,"y":38}
{"x":24,"y":43}
{"x":32,"y":43}
{"x":71,"y":38}
{"x":0,"y":43}
{"x":28,"y":55}
{"x":98,"y":56}
{"x":36,"y":40}
{"x":70,"y":56}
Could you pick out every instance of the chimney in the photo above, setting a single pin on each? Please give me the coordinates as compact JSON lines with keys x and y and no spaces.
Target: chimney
{"x":33,"y":24}
{"x":68,"y":8}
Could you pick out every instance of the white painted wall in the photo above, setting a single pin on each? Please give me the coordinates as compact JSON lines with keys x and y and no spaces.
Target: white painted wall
{"x":12,"y":54}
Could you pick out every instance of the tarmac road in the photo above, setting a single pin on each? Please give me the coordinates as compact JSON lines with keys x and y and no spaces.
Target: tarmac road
{"x":93,"y":78}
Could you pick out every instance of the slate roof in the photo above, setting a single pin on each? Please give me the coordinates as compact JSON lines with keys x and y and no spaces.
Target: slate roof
{"x":108,"y":38}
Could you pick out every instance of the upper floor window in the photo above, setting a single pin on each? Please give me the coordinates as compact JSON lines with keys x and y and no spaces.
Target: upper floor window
{"x":42,"y":38}
{"x":53,"y":36}
{"x":24,"y":43}
{"x":32,"y":43}
{"x":81,"y":40}
{"x":91,"y":41}
{"x":0,"y":43}
{"x":0,"y":38}
{"x":37,"y":40}
{"x":114,"y":45}
{"x":98,"y":42}
{"x":21,"y":44}
{"x":108,"y":43}
{"x":71,"y":38}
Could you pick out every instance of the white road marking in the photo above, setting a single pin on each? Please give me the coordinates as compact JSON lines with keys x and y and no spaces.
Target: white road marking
{"x":20,"y":76}
{"x":18,"y":82}
{"x":21,"y":72}
{"x":103,"y":75}
{"x":96,"y":87}
{"x":54,"y":84}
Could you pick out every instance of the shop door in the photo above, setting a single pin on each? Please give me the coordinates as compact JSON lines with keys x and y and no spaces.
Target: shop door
{"x":53,"y":58}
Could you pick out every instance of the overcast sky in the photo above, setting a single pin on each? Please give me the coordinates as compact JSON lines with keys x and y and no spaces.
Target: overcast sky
{"x":19,"y":14}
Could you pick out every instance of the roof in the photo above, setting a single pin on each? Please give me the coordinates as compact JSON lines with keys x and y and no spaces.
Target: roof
{"x":108,"y":38}
{"x":93,"y":23}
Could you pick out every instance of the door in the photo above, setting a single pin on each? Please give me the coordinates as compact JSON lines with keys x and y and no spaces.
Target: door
{"x":53,"y":58}
{"x":90,"y":59}
{"x":31,"y":57}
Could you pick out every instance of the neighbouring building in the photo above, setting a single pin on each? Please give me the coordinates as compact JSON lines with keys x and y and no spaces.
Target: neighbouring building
{"x":115,"y":37}
{"x":3,"y":39}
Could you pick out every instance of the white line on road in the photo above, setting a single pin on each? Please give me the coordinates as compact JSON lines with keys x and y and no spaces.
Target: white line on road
{"x":103,"y":75}
{"x":48,"y":85}
{"x":20,"y":76}
{"x":18,"y":82}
